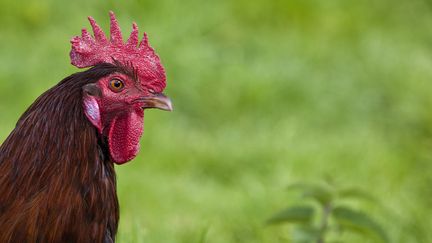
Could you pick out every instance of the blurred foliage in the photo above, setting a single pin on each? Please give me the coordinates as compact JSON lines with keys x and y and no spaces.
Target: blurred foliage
{"x":334,"y":214}
{"x":265,"y":93}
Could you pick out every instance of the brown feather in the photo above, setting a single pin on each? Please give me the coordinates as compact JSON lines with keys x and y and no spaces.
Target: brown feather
{"x":56,"y":181}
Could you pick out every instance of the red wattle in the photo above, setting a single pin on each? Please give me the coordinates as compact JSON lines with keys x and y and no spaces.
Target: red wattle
{"x":124,"y":134}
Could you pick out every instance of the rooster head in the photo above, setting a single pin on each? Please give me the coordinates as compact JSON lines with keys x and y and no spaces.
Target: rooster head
{"x":115,"y":103}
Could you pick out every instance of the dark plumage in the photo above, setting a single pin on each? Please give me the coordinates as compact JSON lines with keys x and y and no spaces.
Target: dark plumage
{"x":57,"y":183}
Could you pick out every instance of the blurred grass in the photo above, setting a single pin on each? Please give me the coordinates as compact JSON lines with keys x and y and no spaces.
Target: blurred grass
{"x":265,"y":93}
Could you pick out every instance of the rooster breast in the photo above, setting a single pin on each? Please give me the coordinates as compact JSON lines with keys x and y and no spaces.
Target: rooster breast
{"x":57,"y":183}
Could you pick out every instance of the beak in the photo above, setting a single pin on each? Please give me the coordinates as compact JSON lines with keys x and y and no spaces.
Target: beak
{"x":159,"y":101}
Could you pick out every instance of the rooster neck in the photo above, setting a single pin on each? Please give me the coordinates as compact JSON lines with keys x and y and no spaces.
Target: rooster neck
{"x":55,"y":172}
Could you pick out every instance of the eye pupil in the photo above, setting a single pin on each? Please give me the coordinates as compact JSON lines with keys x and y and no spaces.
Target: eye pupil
{"x":116,"y":85}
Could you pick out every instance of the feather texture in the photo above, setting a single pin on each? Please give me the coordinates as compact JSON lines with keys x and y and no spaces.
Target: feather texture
{"x":56,"y":181}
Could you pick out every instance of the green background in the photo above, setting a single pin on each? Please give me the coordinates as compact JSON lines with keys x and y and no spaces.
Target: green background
{"x":265,"y":93}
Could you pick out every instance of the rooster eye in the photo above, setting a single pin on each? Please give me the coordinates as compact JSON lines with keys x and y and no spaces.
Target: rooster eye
{"x":116,"y":85}
{"x":151,"y":91}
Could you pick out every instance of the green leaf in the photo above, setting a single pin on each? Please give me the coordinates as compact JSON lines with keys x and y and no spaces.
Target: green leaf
{"x":296,"y":214}
{"x":323,"y":194}
{"x":355,"y":193}
{"x":358,"y":222}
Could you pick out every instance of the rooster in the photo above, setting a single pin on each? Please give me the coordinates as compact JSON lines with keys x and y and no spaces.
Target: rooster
{"x":57,"y":178}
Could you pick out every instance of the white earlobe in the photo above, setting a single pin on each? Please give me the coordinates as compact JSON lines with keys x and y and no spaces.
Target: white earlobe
{"x":92,"y":111}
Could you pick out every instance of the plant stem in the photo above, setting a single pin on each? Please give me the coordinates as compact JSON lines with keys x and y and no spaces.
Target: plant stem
{"x":324,"y":222}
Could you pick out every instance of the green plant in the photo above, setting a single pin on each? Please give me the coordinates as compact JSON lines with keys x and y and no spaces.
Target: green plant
{"x":328,"y":213}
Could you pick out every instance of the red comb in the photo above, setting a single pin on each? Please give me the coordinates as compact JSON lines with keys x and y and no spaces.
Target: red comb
{"x":88,"y":51}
